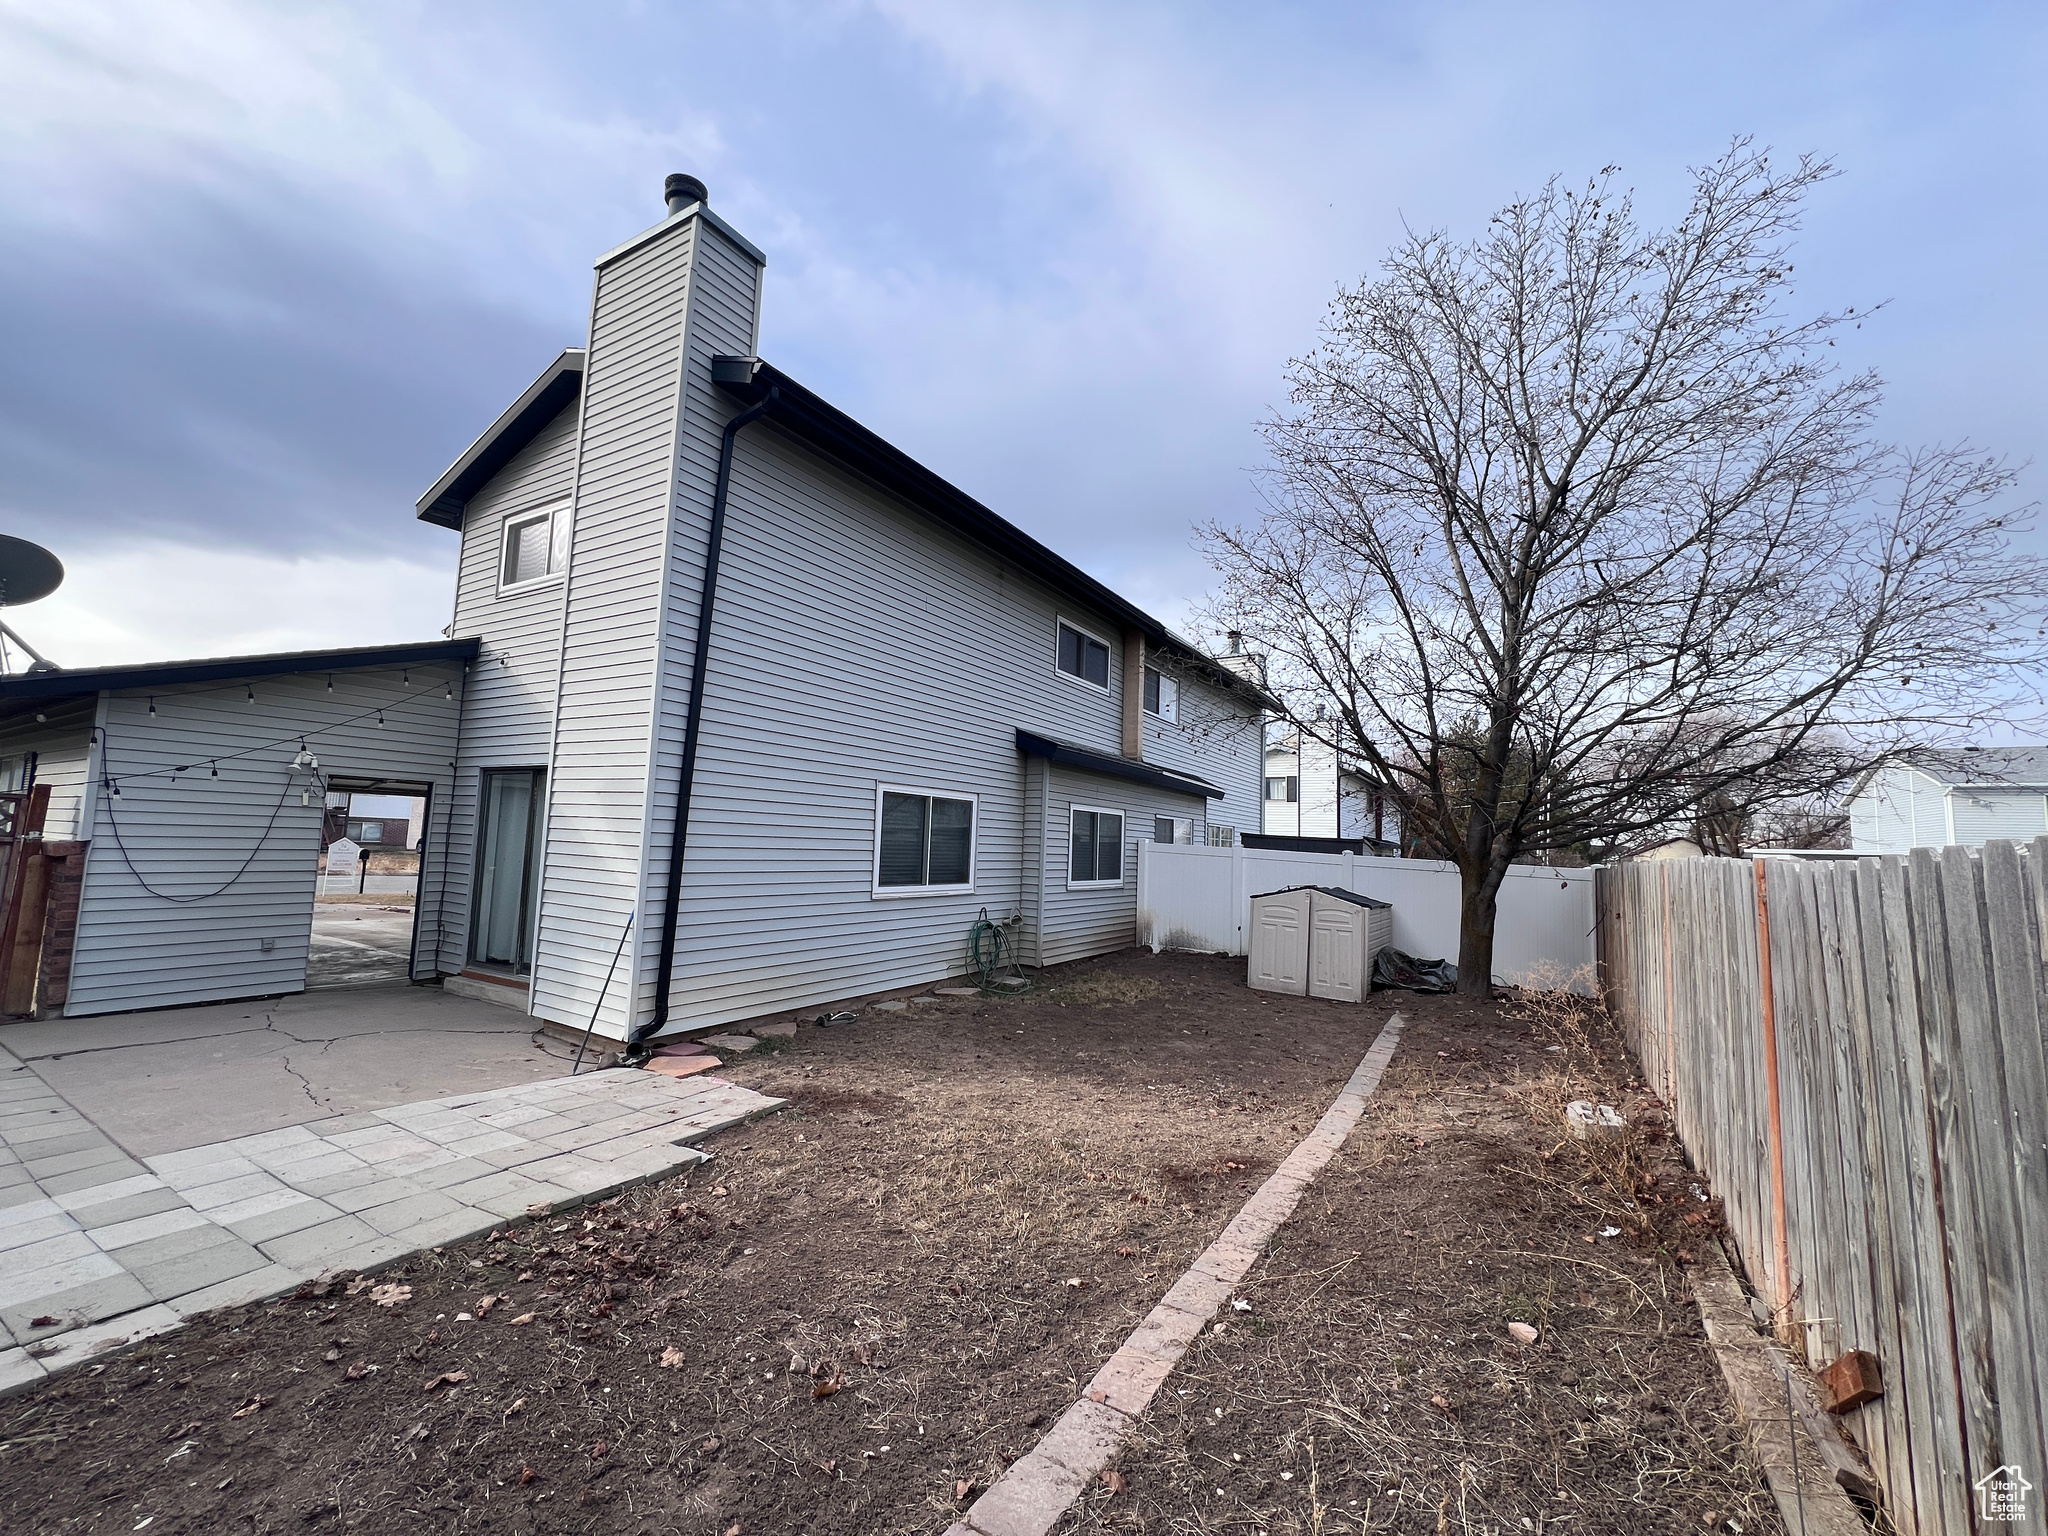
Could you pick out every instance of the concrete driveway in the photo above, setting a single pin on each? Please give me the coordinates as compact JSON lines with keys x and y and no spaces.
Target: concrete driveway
{"x":185,"y":1077}
{"x":356,"y":945}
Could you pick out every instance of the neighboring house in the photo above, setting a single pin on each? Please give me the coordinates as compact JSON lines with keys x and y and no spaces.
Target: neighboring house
{"x":1672,"y":848}
{"x":364,"y":829}
{"x":1308,"y":795}
{"x":1960,"y":797}
{"x":1301,"y":791}
{"x":763,"y":714}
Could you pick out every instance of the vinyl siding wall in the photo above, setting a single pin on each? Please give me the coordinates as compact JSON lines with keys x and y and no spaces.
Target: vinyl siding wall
{"x":1980,"y":815}
{"x":597,"y":789}
{"x":510,"y":700}
{"x":1078,"y":921}
{"x":857,"y":644}
{"x":1900,"y":809}
{"x":1220,"y":738}
{"x":63,"y":746}
{"x":244,"y":832}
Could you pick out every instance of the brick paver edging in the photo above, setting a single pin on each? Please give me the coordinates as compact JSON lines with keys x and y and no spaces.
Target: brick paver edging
{"x":1029,"y":1498}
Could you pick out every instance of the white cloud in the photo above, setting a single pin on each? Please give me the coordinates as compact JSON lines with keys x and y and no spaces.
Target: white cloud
{"x":168,"y":602}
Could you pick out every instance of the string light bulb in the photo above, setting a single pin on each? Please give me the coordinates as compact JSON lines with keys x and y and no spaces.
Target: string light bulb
{"x":216,"y":771}
{"x":152,"y":706}
{"x":252,"y":692}
{"x":380,"y":719}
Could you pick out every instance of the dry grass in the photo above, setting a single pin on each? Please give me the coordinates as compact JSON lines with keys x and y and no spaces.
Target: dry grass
{"x":1374,"y":1387}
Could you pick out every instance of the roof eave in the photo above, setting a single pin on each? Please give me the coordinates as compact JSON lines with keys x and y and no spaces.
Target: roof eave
{"x":824,"y":427}
{"x":517,"y":425}
{"x":75,"y":682}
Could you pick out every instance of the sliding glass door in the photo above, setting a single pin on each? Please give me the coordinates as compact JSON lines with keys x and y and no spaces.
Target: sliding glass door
{"x":508,"y":869}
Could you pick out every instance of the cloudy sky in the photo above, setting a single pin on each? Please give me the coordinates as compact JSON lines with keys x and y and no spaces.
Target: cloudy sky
{"x":266,"y":269}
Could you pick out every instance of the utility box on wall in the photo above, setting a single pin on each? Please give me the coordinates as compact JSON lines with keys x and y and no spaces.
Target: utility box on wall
{"x":1317,"y":941}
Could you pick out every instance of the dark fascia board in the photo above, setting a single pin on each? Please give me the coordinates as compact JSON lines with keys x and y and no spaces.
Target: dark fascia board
{"x":448,"y":497}
{"x":74,"y":681}
{"x":840,"y":438}
{"x":1067,"y":755}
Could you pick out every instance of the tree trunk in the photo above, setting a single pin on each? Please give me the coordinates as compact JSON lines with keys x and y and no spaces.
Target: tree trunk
{"x":1480,"y":892}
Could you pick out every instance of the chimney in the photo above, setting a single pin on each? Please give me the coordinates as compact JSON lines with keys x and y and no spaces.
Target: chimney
{"x":1134,"y":695}
{"x":1236,"y":639}
{"x":679,"y":191}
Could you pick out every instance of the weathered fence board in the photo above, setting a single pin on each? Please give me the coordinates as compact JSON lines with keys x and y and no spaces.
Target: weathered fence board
{"x":1897,"y":1200}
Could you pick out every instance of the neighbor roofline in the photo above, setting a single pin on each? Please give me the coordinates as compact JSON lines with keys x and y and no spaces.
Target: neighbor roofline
{"x":69,"y":682}
{"x":831,"y":432}
{"x":448,"y":497}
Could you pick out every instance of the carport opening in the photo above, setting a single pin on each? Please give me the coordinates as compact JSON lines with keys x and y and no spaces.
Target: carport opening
{"x":366,"y":890}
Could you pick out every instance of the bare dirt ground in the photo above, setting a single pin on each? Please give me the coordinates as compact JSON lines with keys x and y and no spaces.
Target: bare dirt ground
{"x":864,"y":1307}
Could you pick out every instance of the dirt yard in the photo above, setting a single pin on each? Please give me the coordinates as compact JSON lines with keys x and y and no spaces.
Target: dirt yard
{"x":864,"y":1307}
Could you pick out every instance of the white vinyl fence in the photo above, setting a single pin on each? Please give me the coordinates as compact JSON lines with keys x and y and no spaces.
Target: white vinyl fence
{"x":1199,"y":898}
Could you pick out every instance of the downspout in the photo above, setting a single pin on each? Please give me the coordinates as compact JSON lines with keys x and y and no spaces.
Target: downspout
{"x":679,"y":836}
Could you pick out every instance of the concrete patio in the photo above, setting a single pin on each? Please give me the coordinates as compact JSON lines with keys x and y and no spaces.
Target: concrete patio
{"x":155,"y":1166}
{"x":180,"y":1077}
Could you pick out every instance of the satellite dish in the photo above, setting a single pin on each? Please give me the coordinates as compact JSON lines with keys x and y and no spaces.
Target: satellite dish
{"x":27,"y":572}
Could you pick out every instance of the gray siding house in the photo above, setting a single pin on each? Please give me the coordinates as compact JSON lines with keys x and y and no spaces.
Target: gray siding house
{"x":743,"y":710}
{"x":900,"y":712}
{"x":1960,"y":796}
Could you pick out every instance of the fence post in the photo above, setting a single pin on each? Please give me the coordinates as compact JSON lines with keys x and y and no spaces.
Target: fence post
{"x":1237,"y":894}
{"x":1670,"y":997}
{"x":1781,"y":1241}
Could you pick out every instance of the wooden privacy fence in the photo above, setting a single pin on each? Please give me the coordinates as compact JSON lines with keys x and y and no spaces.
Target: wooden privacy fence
{"x":1853,"y":1053}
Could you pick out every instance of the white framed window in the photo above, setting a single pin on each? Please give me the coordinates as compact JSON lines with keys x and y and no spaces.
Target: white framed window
{"x":1082,"y":656}
{"x":924,"y":841}
{"x":535,"y":547}
{"x":1162,"y":695}
{"x":1095,"y":846}
{"x":1173,"y":829}
{"x":1285,"y":790}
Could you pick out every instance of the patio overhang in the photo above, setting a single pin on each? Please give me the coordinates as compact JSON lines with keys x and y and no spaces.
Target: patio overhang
{"x":1067,"y":755}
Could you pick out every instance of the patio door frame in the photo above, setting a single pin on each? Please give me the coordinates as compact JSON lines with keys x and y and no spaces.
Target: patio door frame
{"x":529,"y":880}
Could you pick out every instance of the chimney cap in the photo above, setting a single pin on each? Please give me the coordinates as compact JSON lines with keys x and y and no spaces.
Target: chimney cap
{"x":679,"y":191}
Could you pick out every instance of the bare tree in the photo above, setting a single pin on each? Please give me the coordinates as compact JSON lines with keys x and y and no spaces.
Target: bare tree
{"x":1580,"y":536}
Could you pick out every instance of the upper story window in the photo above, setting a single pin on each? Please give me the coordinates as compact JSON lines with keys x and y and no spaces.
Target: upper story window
{"x":536,"y":547}
{"x":923,"y":842}
{"x":1162,"y":695}
{"x":366,"y":831}
{"x":1288,"y":788}
{"x":1083,"y":656}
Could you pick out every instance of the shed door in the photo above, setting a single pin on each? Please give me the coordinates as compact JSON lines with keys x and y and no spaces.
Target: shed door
{"x":1279,"y":947}
{"x":1336,"y":950}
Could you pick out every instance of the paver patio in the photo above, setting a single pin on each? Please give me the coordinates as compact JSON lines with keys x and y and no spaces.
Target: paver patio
{"x":98,"y":1247}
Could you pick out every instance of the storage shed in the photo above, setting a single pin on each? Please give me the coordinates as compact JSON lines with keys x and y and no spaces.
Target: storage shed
{"x":1317,"y":941}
